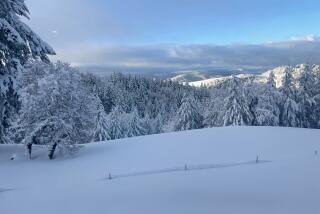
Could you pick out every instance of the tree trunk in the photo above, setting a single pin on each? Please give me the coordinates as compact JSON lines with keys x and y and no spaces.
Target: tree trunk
{"x":29,"y":148}
{"x":52,"y":150}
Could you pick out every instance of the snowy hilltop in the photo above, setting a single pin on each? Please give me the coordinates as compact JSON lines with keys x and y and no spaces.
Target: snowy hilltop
{"x":201,"y":171}
{"x":279,"y":73}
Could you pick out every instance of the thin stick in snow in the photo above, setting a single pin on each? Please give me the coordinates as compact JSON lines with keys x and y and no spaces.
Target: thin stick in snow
{"x":257,"y":159}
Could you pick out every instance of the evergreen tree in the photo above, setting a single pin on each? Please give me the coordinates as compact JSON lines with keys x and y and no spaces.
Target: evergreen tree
{"x":189,"y":115}
{"x":135,"y":125}
{"x":306,"y":99}
{"x":288,"y":87}
{"x":116,"y":125}
{"x":271,"y":80}
{"x":18,"y":44}
{"x":291,"y":111}
{"x":290,"y":114}
{"x":236,"y":109}
{"x":157,"y":125}
{"x":266,"y":110}
{"x":317,"y":110}
{"x":316,"y":97}
{"x":147,"y":124}
{"x":211,"y":115}
{"x":102,"y":129}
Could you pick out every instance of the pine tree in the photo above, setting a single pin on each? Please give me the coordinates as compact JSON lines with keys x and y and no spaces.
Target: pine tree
{"x":271,"y":80}
{"x":316,"y":98}
{"x":157,"y":125}
{"x":306,"y":93}
{"x":189,"y":115}
{"x":147,"y":124}
{"x":18,"y":45}
{"x":290,"y":114}
{"x":116,"y":125}
{"x":266,"y":110}
{"x":288,"y":87}
{"x":211,"y":115}
{"x":236,"y":109}
{"x":291,"y":110}
{"x":102,"y":129}
{"x":135,"y":125}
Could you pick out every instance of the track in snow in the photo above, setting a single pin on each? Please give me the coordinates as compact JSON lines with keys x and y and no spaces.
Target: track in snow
{"x":184,"y":168}
{"x":5,"y":190}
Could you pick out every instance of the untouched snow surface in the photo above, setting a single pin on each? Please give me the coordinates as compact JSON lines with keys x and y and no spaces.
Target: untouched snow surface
{"x":288,"y":184}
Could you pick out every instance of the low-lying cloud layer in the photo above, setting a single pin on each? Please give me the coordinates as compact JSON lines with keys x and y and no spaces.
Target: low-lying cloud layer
{"x":197,"y":57}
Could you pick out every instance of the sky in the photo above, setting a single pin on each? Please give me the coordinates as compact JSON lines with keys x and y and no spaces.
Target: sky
{"x":179,"y":35}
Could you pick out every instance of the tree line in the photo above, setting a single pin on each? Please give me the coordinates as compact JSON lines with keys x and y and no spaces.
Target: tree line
{"x":55,"y":105}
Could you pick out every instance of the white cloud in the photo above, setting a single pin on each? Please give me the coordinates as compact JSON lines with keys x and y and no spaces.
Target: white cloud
{"x":199,"y":57}
{"x":308,"y":38}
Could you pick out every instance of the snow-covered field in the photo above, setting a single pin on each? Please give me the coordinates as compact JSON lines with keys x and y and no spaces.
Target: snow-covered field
{"x":288,"y":184}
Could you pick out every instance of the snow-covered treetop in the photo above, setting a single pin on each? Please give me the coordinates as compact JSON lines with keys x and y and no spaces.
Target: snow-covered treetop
{"x":15,"y":7}
{"x":17,"y":41}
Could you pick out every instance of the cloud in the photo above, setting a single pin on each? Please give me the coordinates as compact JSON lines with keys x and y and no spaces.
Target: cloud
{"x":198,"y":57}
{"x":309,"y":38}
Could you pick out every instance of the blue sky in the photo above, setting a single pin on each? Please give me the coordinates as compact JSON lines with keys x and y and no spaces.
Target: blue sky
{"x":96,"y":26}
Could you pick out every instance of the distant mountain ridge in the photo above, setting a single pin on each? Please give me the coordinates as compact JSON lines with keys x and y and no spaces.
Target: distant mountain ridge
{"x":278,"y":72}
{"x":212,"y":73}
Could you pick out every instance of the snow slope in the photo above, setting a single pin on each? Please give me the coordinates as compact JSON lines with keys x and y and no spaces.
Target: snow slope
{"x":188,"y":76}
{"x":217,"y":80}
{"x":289,"y":183}
{"x":279,"y":73}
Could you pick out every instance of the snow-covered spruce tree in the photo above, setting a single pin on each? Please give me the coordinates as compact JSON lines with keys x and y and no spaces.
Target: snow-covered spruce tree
{"x":189,"y":115}
{"x":18,"y":44}
{"x":210,"y":118}
{"x":271,"y":80}
{"x":265,"y":102}
{"x":151,"y":125}
{"x":265,"y":108}
{"x":135,"y":125}
{"x":211,"y":113}
{"x":102,"y":88}
{"x":306,"y":94}
{"x":235,"y":111}
{"x":147,"y":124}
{"x":317,"y":99}
{"x":157,"y":125}
{"x":317,"y":109}
{"x":291,"y":110}
{"x":56,"y":109}
{"x":116,"y":126}
{"x":101,"y":132}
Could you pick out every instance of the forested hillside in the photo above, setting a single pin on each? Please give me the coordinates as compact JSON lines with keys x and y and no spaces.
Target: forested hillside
{"x":54,"y":104}
{"x":61,"y":107}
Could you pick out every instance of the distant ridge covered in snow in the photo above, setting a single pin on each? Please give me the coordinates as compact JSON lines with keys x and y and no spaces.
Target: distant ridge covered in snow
{"x":279,"y":73}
